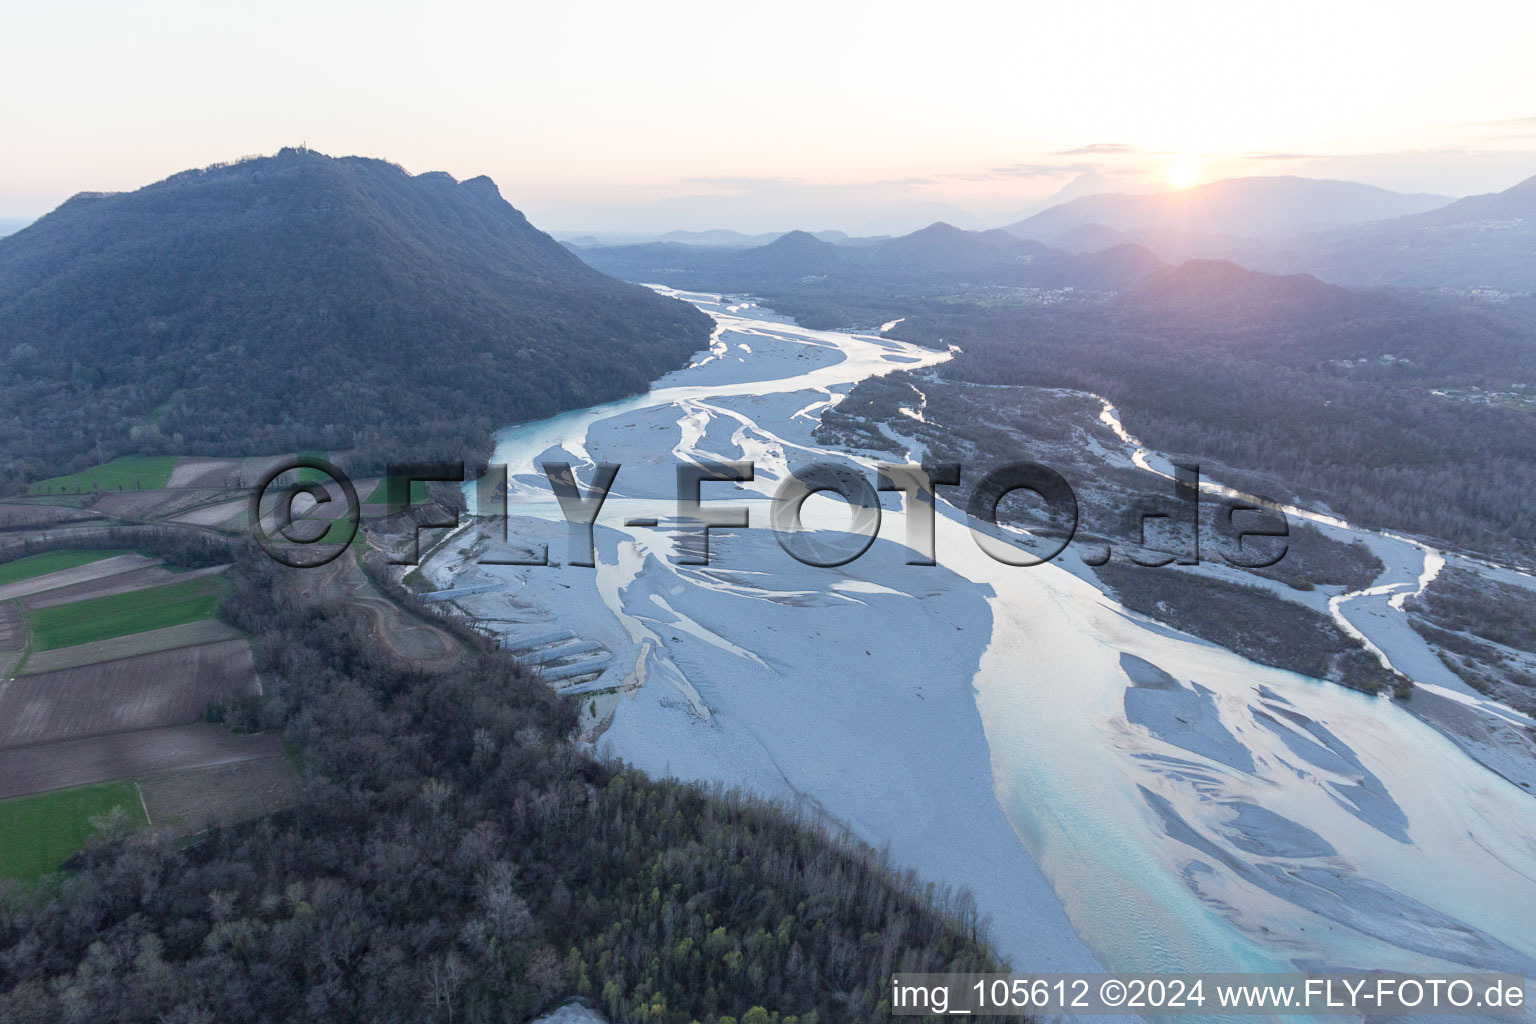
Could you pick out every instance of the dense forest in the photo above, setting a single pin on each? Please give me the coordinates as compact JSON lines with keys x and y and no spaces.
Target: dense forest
{"x":461,"y":859}
{"x":1371,"y":439}
{"x":301,"y":302}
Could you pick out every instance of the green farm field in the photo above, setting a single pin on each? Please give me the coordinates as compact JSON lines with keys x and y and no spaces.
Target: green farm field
{"x":51,"y":561}
{"x":104,"y":618}
{"x":129,"y":473}
{"x":39,"y":833}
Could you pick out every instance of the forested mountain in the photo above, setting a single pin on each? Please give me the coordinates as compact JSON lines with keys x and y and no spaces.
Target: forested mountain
{"x":1486,"y":241}
{"x":1234,"y":208}
{"x":1299,"y":320}
{"x":300,"y":301}
{"x":1210,"y":298}
{"x":1400,"y":412}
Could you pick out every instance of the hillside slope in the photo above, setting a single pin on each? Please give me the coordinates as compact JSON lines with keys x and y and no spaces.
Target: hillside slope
{"x":301,"y":301}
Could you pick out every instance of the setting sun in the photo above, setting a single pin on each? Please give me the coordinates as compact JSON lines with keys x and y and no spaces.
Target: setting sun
{"x":1183,"y":172}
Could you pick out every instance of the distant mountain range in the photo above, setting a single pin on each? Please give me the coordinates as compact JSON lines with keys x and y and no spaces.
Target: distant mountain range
{"x":300,"y":301}
{"x":938,"y":256}
{"x":1236,"y":208}
{"x":1299,"y":317}
{"x":1340,"y":231}
{"x":721,"y":237}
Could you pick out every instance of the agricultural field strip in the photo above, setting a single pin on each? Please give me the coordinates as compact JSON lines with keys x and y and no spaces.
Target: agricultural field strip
{"x":171,"y":637}
{"x":79,"y":574}
{"x":196,"y":472}
{"x":117,"y":583}
{"x":146,"y":691}
{"x":14,"y":543}
{"x":17,"y":515}
{"x":156,"y":504}
{"x":41,"y":564}
{"x":129,"y":472}
{"x":217,"y":514}
{"x":173,"y":603}
{"x":122,"y":583}
{"x":126,"y":755}
{"x":225,"y":793}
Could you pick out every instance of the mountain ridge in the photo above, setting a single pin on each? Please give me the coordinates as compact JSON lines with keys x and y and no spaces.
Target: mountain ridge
{"x":938,"y":255}
{"x":208,"y":313}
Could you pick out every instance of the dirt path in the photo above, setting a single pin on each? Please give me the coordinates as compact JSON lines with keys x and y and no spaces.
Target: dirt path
{"x":122,"y":583}
{"x":408,"y":638}
{"x":13,"y":632}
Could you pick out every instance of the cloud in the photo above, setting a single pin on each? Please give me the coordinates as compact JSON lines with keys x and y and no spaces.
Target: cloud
{"x":1282,"y":156}
{"x":744,"y":182}
{"x":1038,"y":170}
{"x":1119,"y":159}
{"x":749,"y":185}
{"x":1519,"y":124}
{"x":1099,"y":149}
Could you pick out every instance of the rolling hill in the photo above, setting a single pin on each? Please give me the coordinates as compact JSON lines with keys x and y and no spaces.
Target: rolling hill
{"x":300,"y":301}
{"x":1219,"y":290}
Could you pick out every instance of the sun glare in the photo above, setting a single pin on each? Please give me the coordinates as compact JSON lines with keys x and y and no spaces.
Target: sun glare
{"x":1183,"y":172}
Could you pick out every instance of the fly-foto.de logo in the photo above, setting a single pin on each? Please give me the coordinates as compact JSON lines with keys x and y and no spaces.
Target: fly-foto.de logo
{"x":1256,"y":540}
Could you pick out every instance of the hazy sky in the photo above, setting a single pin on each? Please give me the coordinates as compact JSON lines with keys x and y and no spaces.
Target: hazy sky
{"x":609,"y":115}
